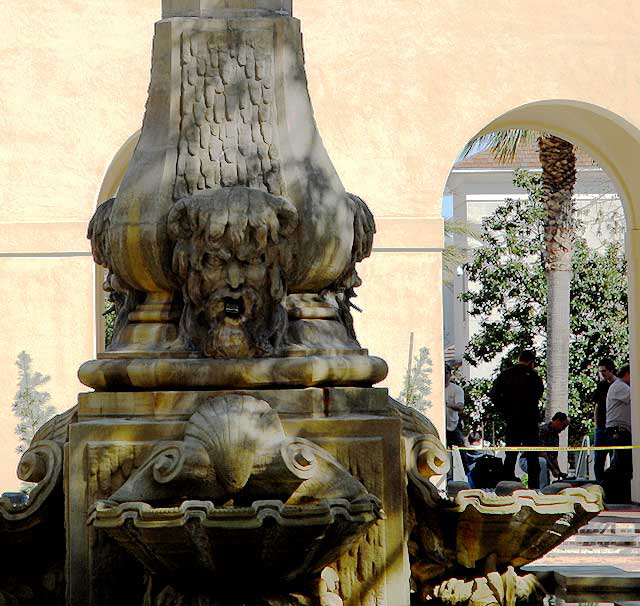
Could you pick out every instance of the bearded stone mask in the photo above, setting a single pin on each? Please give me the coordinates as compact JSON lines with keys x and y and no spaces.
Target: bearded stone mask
{"x":231,"y":255}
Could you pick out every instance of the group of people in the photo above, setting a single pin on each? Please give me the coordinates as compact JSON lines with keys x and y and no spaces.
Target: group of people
{"x":612,"y":400}
{"x":516,"y":393}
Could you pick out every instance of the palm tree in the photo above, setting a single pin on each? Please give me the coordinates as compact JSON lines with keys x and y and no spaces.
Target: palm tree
{"x":558,"y":162}
{"x":455,"y":253}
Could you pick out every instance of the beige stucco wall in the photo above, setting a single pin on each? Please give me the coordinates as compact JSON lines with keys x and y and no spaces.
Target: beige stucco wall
{"x":397,"y":88}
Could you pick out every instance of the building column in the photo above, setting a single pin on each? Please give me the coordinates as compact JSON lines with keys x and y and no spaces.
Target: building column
{"x":460,"y":315}
{"x":632,"y":241}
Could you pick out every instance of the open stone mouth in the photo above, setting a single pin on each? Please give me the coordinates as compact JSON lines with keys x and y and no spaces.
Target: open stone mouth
{"x":233,"y":307}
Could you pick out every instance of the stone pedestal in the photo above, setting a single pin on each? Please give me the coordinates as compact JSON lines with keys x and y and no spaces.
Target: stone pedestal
{"x":116,"y":433}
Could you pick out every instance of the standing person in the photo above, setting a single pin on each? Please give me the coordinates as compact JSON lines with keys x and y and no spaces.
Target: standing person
{"x":516,"y":393}
{"x":549,"y":435}
{"x":620,"y":470}
{"x":454,"y":400}
{"x":607,"y":372}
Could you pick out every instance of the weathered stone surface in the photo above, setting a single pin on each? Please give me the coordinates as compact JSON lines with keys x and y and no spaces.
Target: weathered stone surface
{"x":218,"y":8}
{"x":168,"y":373}
{"x":232,"y":257}
{"x":180,"y":405}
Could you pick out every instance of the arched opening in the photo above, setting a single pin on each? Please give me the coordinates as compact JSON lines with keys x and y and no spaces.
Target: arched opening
{"x":108,"y":189}
{"x":614,"y":144}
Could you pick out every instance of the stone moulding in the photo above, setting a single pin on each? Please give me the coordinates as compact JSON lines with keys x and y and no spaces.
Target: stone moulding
{"x":275,"y":541}
{"x":565,"y":502}
{"x":167,"y":373}
{"x":106,"y":514}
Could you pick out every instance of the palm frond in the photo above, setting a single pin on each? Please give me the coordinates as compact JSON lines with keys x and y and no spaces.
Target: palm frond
{"x":454,"y":254}
{"x":458,"y":227}
{"x":503,"y":144}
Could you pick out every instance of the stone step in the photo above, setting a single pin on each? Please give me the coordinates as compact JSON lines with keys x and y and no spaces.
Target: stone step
{"x":608,"y":533}
{"x":589,"y":583}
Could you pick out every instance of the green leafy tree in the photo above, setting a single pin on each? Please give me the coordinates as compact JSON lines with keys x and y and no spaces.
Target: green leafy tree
{"x":30,"y":404}
{"x":109,"y":315}
{"x":417,"y":382}
{"x":508,"y":296}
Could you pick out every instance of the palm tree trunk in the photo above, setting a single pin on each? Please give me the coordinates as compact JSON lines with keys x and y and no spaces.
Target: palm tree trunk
{"x":558,"y":161}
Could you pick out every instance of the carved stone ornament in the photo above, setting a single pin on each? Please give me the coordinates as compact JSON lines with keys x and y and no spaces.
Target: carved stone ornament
{"x":235,"y":448}
{"x":235,"y":470}
{"x":494,"y":589}
{"x":232,"y":256}
{"x":123,"y":297}
{"x":32,"y":574}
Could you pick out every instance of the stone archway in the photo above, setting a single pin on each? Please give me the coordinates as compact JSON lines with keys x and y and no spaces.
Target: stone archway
{"x":615,"y":144}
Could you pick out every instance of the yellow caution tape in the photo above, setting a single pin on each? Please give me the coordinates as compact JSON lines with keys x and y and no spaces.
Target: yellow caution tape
{"x":543,"y":448}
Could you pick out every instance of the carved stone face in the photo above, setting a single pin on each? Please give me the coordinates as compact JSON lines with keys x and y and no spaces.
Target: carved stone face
{"x":236,"y":302}
{"x":232,"y":256}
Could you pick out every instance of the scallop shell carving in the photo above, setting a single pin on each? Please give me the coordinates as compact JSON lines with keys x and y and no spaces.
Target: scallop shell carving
{"x":238,"y":432}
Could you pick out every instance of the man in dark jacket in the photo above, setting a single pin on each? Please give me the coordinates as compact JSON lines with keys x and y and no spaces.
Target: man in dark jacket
{"x":607,"y":372}
{"x":516,"y":393}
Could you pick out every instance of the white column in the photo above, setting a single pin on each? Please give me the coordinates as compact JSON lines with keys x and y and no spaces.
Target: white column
{"x":632,"y":241}
{"x":460,"y":316}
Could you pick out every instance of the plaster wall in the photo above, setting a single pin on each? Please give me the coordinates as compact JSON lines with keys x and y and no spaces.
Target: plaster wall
{"x":398,"y":88}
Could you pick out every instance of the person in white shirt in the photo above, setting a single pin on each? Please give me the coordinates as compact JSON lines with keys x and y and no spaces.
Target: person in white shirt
{"x":454,"y":400}
{"x":620,"y":470}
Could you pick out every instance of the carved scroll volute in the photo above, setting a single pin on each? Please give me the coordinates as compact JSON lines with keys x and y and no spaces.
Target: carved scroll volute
{"x":41,"y":463}
{"x":428,"y":456}
{"x":170,"y":467}
{"x":324,"y":477}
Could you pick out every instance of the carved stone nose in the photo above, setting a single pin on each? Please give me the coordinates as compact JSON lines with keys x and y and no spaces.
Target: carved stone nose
{"x":234,"y":275}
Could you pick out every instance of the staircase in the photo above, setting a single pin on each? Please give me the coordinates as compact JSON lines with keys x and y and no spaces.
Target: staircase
{"x":611,"y":533}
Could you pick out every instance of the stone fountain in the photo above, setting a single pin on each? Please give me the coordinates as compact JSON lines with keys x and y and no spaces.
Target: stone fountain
{"x":234,"y":450}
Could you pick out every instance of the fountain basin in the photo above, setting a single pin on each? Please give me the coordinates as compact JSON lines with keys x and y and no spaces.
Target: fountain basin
{"x":277,"y":542}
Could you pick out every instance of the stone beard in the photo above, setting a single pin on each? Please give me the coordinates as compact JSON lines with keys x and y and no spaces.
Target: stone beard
{"x":232,"y":256}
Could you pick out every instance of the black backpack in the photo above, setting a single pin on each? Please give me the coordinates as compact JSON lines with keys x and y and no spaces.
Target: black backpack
{"x":487,"y":472}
